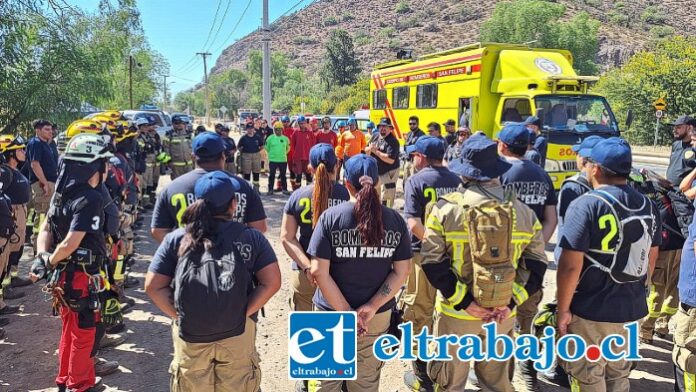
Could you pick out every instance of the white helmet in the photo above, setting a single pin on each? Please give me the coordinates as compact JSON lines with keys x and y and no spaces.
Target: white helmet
{"x":87,"y":148}
{"x":141,"y":121}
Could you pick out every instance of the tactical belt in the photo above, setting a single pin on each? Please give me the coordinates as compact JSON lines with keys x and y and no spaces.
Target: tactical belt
{"x":84,"y":257}
{"x":181,"y":163}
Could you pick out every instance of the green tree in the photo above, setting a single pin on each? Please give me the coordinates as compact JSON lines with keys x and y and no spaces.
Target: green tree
{"x":668,"y":71}
{"x":538,"y":22}
{"x":341,"y":66}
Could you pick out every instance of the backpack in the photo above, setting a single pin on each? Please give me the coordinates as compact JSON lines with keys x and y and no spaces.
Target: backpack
{"x":8,"y":227}
{"x":490,"y":226}
{"x":630,"y":261}
{"x":211,"y":292}
{"x":683,"y":209}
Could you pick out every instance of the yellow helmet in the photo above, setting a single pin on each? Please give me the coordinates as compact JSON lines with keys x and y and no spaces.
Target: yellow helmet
{"x":83,"y":126}
{"x":124,"y":131}
{"x":278,"y":125}
{"x":114,"y":115}
{"x":11,"y":143}
{"x":108,"y":121}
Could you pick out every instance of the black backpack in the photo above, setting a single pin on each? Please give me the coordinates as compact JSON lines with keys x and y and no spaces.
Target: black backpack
{"x":683,"y":209}
{"x":8,"y":225}
{"x":211,"y":292}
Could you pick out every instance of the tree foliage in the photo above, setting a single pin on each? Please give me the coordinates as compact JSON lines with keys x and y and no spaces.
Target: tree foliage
{"x":56,"y":58}
{"x":341,"y":67}
{"x":669,"y":71}
{"x":538,"y":22}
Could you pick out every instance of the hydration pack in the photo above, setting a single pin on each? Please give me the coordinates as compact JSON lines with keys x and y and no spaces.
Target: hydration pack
{"x":8,"y":227}
{"x":211,"y":292}
{"x":630,"y":260}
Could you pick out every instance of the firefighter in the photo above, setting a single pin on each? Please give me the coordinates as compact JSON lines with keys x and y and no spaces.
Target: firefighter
{"x":343,"y":281}
{"x":602,"y":273}
{"x":177,"y":143}
{"x":533,"y":124}
{"x":18,"y":191}
{"x":431,"y":180}
{"x":71,"y":253}
{"x":349,"y":143}
{"x":678,"y":162}
{"x":386,"y":151}
{"x":230,"y":147}
{"x":148,"y":158}
{"x":250,"y":146}
{"x":465,"y":302}
{"x":301,"y":142}
{"x":684,"y":351}
{"x":325,"y":134}
{"x":209,"y":152}
{"x":42,"y":156}
{"x":414,"y":133}
{"x":161,"y":158}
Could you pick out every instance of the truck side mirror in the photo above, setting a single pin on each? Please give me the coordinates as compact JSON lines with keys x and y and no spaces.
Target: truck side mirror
{"x":540,"y":116}
{"x":629,"y":118}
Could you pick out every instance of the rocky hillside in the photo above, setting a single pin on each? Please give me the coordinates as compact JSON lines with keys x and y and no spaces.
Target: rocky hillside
{"x":379,"y":27}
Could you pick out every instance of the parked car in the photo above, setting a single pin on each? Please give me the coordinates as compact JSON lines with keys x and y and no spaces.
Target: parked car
{"x":163,"y":120}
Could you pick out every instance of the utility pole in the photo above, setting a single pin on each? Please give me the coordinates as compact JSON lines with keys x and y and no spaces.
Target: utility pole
{"x":164,"y":101}
{"x":130,"y":81}
{"x":207,"y":96}
{"x":266,"y":65}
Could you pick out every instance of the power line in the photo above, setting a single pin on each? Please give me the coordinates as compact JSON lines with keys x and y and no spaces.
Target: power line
{"x":212,"y":25}
{"x":235,"y":26}
{"x":222,"y":22}
{"x":184,"y":79}
{"x":291,"y":8}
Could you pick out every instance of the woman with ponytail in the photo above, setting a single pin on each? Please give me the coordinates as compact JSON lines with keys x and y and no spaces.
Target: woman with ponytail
{"x":213,"y":261}
{"x":302,"y":212}
{"x":361,"y":256}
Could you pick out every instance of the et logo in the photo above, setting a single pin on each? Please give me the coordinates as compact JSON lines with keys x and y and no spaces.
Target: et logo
{"x":322,"y":346}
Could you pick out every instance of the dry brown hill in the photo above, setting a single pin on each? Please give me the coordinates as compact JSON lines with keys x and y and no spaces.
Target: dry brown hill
{"x":379,"y":27}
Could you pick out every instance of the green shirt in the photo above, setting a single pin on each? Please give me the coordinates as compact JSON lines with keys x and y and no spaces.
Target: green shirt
{"x":277,"y":147}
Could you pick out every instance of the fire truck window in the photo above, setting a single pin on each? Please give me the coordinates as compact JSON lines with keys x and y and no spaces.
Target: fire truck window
{"x":400,"y":97}
{"x":379,"y":99}
{"x":426,"y":96}
{"x":516,"y":110}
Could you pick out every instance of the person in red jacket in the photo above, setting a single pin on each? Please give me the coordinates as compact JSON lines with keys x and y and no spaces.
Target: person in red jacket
{"x":325,"y":134}
{"x":301,"y":142}
{"x":288,"y":130}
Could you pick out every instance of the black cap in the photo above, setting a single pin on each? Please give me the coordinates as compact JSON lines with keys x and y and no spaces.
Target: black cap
{"x":385,"y":121}
{"x":683,"y":120}
{"x":450,"y":122}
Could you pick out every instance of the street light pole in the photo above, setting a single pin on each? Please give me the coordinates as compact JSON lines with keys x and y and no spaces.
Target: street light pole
{"x":207,"y":96}
{"x":130,"y":80}
{"x":266,"y":65}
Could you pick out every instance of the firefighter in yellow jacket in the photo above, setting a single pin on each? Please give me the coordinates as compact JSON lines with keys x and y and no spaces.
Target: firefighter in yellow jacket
{"x":177,"y":143}
{"x":509,"y":265}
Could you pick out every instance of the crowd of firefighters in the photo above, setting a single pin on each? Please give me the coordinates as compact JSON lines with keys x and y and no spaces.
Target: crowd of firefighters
{"x":76,"y":198}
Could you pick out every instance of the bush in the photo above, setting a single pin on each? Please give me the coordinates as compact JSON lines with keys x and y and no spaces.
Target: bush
{"x":347,"y":17}
{"x":330,"y":21}
{"x":304,"y":40}
{"x":653,"y":15}
{"x":387,"y":32}
{"x":593,"y":3}
{"x":394,"y":43}
{"x":466,"y":14}
{"x":431,"y":28}
{"x":402,"y":7}
{"x":361,"y":38}
{"x":659,"y":32}
{"x":619,"y":18}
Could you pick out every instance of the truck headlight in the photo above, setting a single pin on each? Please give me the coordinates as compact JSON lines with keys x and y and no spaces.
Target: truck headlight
{"x":552,"y":166}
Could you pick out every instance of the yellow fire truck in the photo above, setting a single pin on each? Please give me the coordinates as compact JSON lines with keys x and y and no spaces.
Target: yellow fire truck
{"x":487,"y":85}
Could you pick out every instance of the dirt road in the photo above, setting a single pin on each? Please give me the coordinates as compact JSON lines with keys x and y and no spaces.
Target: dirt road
{"x":28,"y":354}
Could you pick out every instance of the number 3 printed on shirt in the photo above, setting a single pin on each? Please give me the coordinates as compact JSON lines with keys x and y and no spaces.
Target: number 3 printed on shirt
{"x":95,"y":222}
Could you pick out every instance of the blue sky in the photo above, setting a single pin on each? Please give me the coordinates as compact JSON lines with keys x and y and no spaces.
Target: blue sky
{"x":179,"y":28}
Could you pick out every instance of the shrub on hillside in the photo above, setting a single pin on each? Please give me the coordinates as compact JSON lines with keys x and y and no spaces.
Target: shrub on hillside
{"x":330,"y":21}
{"x":402,"y":7}
{"x":654,"y":15}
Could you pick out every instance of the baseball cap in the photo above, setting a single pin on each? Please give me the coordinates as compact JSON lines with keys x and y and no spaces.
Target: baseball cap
{"x":515,"y":135}
{"x":218,"y":190}
{"x":384,"y":121}
{"x":479,"y":159}
{"x":431,"y":147}
{"x":360,"y":166}
{"x":682,"y":120}
{"x":450,"y":122}
{"x":614,"y":154}
{"x":208,"y":145}
{"x":532,"y":120}
{"x":584,"y":148}
{"x":370,"y":125}
{"x":322,"y":153}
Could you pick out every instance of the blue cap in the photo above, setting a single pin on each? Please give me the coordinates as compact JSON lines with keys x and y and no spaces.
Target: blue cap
{"x":322,"y":153}
{"x":359,"y":166}
{"x":531,"y":120}
{"x":430,"y":146}
{"x":370,"y":125}
{"x":352,"y":120}
{"x":208,"y":145}
{"x":178,"y":118}
{"x":584,"y":148}
{"x":515,"y":135}
{"x":479,"y":159}
{"x":285,"y":119}
{"x":613,"y":154}
{"x":301,"y":119}
{"x":341,"y":123}
{"x":218,"y":190}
